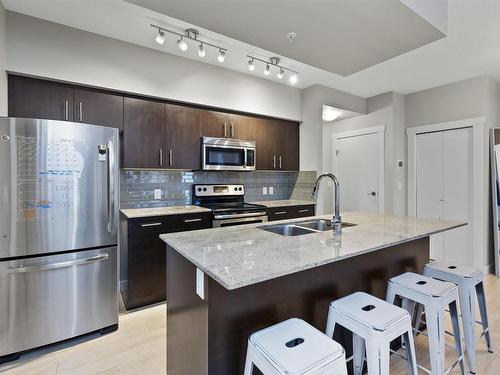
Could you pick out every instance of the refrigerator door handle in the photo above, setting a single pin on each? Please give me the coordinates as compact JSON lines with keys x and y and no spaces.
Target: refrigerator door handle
{"x":54,"y":266}
{"x":111,"y":186}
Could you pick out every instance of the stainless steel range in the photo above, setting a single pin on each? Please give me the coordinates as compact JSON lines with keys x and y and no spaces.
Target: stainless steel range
{"x":228,"y":206}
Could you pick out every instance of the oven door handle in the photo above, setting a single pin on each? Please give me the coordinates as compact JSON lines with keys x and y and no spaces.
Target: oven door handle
{"x":236,"y":216}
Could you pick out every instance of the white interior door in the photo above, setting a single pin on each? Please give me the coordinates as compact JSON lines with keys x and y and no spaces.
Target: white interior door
{"x":358,"y":162}
{"x":429,"y":181}
{"x":444,"y":189}
{"x":457,"y":177}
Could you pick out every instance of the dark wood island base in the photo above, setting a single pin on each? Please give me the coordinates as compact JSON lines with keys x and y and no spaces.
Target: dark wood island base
{"x":209,"y":336}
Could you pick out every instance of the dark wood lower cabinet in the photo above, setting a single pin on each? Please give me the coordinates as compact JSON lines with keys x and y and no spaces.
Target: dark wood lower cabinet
{"x":143,"y":254}
{"x":290,"y":212}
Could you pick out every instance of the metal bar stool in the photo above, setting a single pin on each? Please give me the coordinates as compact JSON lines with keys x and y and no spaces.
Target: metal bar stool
{"x":470,"y":286}
{"x":374,"y":323}
{"x":434,"y":296}
{"x":294,"y":347}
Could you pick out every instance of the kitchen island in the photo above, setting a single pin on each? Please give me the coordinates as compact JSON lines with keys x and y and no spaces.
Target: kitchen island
{"x":225,"y":283}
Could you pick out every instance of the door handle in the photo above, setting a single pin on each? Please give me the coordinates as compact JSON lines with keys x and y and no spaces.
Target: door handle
{"x":231,"y":130}
{"x":53,"y":266}
{"x":280,"y":212}
{"x":274,"y":161}
{"x":111,"y":186}
{"x":170,"y":157}
{"x":66,"y":110}
{"x":280,"y":161}
{"x":225,"y":129}
{"x":150,"y":225}
{"x":161,"y":157}
{"x":372,"y":193}
{"x":80,"y":111}
{"x":192,"y":220}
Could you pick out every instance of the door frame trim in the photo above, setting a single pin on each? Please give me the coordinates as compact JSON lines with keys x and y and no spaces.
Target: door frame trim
{"x":480,"y":169}
{"x":380,"y":132}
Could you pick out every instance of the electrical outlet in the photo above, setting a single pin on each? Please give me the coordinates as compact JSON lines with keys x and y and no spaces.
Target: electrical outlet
{"x":271,"y":190}
{"x":157,"y":193}
{"x":264,"y":190}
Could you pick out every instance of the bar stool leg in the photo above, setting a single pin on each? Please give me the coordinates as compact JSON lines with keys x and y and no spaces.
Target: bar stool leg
{"x":467,"y":308}
{"x":358,"y":354}
{"x":435,"y":331}
{"x":456,"y":333}
{"x":418,"y":317}
{"x":249,"y":362}
{"x":410,"y":352}
{"x":330,"y":324}
{"x":484,"y":314}
{"x":377,"y":356}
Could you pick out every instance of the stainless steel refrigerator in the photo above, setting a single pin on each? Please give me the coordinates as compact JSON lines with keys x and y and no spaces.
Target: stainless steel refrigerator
{"x":58,"y":232}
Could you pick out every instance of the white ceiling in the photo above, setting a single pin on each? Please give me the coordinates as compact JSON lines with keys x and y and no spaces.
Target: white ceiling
{"x":471,"y":48}
{"x":341,"y":37}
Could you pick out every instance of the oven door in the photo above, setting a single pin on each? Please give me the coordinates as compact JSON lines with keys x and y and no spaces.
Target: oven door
{"x":231,"y":220}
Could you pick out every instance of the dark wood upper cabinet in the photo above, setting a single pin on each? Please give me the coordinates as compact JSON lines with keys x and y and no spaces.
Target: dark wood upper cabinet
{"x":183,"y":137}
{"x":98,"y":108}
{"x":34,"y":98}
{"x":241,"y":127}
{"x":214,"y":124}
{"x":144,"y":134}
{"x":265,"y":135}
{"x":287,"y":145}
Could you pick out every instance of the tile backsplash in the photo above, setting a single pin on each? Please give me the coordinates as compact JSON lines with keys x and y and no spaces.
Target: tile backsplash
{"x":137,"y":187}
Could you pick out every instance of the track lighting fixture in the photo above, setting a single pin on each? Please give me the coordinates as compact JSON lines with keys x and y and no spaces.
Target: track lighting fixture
{"x":160,"y":38}
{"x":189,"y":34}
{"x":201,"y":50}
{"x":274,"y":62}
{"x":222,"y":56}
{"x":251,"y":65}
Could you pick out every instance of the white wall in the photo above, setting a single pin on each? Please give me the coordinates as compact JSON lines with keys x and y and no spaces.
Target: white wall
{"x":40,"y":48}
{"x":3,"y":76}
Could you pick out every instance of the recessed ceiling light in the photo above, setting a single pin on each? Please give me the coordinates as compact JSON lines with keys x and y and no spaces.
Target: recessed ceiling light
{"x":291,"y":36}
{"x":160,"y":38}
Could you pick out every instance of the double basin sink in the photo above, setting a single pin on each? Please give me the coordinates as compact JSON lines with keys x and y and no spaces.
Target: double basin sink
{"x":302,"y":227}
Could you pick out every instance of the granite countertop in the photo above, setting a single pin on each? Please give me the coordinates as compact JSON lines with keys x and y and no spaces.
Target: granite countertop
{"x":238,"y":256}
{"x":285,"y":202}
{"x":132,"y":213}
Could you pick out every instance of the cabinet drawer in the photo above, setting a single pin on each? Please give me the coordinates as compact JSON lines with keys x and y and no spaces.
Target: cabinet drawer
{"x":289,"y":212}
{"x":154,"y":224}
{"x":303,"y":211}
{"x":181,"y":223}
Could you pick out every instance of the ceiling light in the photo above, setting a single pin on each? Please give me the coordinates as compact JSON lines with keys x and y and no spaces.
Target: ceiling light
{"x":201,"y":50}
{"x":182,"y":45}
{"x":267,"y":70}
{"x":330,"y":114}
{"x":280,"y":74}
{"x":222,"y":56}
{"x":160,"y":38}
{"x":251,"y":65}
{"x":294,"y":78}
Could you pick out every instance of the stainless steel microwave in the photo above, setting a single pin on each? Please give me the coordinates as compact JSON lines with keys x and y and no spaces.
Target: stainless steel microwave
{"x":226,"y":154}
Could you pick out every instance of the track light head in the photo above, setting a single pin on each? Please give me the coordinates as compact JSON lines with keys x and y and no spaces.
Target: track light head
{"x":222,"y":56}
{"x":183,"y":46}
{"x":280,"y":74}
{"x":160,"y":38}
{"x":267,"y":70}
{"x":251,"y":65}
{"x":294,"y":78}
{"x":201,"y":50}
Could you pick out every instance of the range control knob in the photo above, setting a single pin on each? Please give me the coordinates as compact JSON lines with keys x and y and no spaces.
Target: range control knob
{"x":204,"y":189}
{"x":235,"y":188}
{"x":241,"y":189}
{"x":199,"y":189}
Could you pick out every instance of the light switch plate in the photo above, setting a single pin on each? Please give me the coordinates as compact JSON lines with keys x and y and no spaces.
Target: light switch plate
{"x":200,"y":283}
{"x":157,"y":193}
{"x":271,"y":190}
{"x":264,"y":190}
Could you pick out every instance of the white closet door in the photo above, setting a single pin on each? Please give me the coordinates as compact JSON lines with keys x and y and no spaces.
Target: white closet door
{"x":429,"y":180}
{"x":457,"y":173}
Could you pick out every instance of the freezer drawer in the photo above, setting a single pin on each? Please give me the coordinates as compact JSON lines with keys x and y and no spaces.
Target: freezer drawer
{"x":53,"y":298}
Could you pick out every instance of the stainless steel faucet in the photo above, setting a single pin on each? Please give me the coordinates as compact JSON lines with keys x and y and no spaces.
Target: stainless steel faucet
{"x":337,"y":219}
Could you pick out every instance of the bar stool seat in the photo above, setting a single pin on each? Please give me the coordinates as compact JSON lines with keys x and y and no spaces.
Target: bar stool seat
{"x":374,"y":323}
{"x":294,"y":347}
{"x":469,"y":281}
{"x":434,"y":296}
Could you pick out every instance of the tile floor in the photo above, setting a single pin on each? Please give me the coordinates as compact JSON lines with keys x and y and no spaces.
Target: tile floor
{"x":138,"y":347}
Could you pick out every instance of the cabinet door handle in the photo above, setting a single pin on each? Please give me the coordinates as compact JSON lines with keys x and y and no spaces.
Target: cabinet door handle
{"x":150,"y":225}
{"x":280,"y":212}
{"x":66,"y":110}
{"x":274,"y":161}
{"x":304,"y":210}
{"x":225,"y":129}
{"x":280,"y":161}
{"x":80,"y":111}
{"x":161,"y":157}
{"x":232,"y":130}
{"x":192,"y":220}
{"x":170,"y":157}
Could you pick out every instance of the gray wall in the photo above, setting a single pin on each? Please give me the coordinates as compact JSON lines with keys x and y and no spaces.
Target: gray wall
{"x":137,"y":187}
{"x":3,"y":77}
{"x":45,"y":49}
